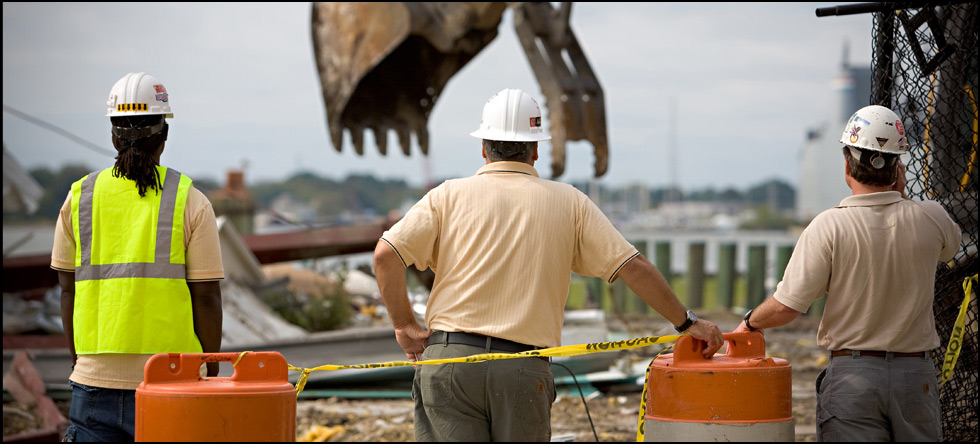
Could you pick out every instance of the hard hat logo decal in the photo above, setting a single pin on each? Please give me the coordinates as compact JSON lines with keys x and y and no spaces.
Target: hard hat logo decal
{"x":162,"y":97}
{"x":854,"y":133}
{"x":900,"y":128}
{"x":881,"y":141}
{"x":859,"y":119}
{"x":535,"y":122}
{"x":159,"y":88}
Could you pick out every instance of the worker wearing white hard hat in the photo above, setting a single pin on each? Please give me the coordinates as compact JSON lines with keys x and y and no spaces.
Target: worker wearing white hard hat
{"x":503,"y":244}
{"x":874,"y":258}
{"x":137,"y":254}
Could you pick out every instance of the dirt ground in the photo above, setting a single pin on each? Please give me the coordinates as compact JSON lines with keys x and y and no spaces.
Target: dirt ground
{"x":614,"y":415}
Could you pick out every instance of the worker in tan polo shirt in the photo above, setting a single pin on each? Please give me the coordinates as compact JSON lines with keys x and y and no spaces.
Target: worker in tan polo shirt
{"x":874,"y":257}
{"x":503,"y":244}
{"x":137,"y":254}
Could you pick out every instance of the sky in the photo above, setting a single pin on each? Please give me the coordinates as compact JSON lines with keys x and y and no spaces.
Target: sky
{"x":747,"y":80}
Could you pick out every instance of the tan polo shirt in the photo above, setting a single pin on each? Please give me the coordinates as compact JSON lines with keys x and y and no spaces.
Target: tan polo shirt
{"x":875,"y":257}
{"x":203,"y":263}
{"x":503,"y":244}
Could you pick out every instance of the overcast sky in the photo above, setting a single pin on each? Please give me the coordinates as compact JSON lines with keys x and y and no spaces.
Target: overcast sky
{"x":748,"y":78}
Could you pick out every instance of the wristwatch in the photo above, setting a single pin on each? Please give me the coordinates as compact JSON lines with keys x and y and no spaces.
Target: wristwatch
{"x":746,"y":319}
{"x":691,"y":319}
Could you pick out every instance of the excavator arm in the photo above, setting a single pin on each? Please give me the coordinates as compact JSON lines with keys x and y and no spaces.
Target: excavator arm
{"x":382,"y":66}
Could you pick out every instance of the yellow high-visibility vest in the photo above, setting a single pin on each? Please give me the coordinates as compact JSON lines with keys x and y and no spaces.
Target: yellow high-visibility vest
{"x":131,"y":293}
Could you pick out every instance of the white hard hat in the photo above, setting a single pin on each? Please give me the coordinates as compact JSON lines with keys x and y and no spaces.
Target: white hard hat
{"x":511,"y":115}
{"x":138,"y":94}
{"x":876,"y":128}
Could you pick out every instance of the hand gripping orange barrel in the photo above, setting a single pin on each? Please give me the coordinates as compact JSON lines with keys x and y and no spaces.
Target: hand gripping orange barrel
{"x":257,"y":403}
{"x":739,"y":396}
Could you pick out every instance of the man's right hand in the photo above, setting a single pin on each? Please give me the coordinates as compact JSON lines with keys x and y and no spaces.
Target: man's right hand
{"x":413,"y":339}
{"x":708,"y":332}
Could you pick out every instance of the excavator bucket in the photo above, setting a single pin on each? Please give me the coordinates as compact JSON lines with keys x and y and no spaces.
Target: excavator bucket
{"x":572,"y":92}
{"x":382,"y":66}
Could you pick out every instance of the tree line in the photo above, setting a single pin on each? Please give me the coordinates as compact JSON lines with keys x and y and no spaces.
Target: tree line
{"x":364,"y":193}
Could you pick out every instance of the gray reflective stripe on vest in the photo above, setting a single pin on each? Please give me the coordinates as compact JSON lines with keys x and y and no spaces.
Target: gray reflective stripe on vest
{"x":160,"y":268}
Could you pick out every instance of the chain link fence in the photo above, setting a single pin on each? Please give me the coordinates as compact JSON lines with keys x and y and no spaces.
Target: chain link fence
{"x":925,"y":69}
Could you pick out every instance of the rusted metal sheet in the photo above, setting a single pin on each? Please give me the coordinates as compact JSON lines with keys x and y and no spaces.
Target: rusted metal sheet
{"x":24,"y":273}
{"x":314,"y":243}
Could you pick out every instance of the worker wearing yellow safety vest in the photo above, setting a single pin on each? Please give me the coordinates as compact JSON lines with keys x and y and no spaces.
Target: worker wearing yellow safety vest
{"x":503,"y":244}
{"x":874,"y":257}
{"x":137,"y":254}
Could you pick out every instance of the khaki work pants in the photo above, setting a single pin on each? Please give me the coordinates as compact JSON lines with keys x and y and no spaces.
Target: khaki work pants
{"x":501,"y":400}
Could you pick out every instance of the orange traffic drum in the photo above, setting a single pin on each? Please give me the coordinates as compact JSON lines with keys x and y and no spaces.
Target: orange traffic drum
{"x":257,"y":403}
{"x":738,"y":396}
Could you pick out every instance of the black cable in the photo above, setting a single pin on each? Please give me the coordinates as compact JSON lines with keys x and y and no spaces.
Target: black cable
{"x":58,"y":130}
{"x":583,"y":398}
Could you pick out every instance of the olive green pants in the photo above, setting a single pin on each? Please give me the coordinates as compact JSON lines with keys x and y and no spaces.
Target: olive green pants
{"x":500,"y":400}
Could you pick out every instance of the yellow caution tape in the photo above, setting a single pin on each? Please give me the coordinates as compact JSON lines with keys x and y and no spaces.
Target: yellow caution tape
{"x":956,"y":338}
{"x":643,"y":398}
{"x":240,"y":356}
{"x":568,"y":350}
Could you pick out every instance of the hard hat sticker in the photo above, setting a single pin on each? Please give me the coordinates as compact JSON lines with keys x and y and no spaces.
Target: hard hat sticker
{"x":132,"y":107}
{"x":162,"y":97}
{"x":854,"y":133}
{"x":882,"y":141}
{"x":159,"y":88}
{"x":859,"y":119}
{"x":535,"y":122}
{"x":900,"y":128}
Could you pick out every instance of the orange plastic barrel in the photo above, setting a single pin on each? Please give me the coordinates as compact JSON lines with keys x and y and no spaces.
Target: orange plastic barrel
{"x":738,"y":396}
{"x":257,"y":403}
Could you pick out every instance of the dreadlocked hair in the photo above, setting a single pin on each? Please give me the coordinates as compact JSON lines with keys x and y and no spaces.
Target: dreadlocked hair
{"x":135,"y":159}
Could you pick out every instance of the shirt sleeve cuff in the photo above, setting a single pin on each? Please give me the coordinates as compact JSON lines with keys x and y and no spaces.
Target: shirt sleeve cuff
{"x":615,"y":273}
{"x":396,"y":251}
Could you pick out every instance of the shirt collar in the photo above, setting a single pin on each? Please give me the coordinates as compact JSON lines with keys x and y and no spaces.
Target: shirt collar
{"x":871,"y":199}
{"x":508,"y":167}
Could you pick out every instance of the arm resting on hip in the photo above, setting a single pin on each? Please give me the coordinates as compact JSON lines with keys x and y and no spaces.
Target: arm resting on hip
{"x":390,"y":271}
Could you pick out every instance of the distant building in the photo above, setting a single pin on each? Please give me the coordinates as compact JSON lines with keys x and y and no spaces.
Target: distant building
{"x":235,"y":202}
{"x":821,"y":164}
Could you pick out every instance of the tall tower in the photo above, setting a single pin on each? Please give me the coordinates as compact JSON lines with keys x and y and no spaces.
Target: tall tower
{"x":821,"y":165}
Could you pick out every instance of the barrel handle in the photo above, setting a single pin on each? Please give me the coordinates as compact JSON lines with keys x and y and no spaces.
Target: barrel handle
{"x":185,"y":367}
{"x":747,"y":344}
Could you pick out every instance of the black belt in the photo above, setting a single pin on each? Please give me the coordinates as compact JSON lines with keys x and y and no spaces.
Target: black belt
{"x":460,"y":337}
{"x":881,"y":354}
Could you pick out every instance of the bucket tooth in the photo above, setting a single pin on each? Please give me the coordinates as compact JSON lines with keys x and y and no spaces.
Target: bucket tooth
{"x":357,"y":138}
{"x":381,"y":138}
{"x":337,"y":137}
{"x":404,"y":139}
{"x":422,"y":137}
